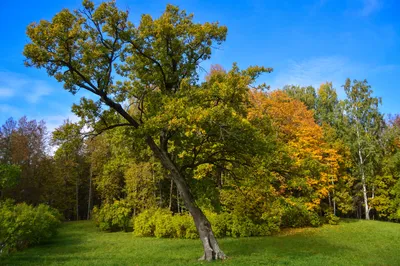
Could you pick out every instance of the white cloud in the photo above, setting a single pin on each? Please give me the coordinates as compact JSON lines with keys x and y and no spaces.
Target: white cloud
{"x":14,"y":84}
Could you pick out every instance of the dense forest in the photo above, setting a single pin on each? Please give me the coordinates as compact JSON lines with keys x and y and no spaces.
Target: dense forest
{"x":158,"y":143}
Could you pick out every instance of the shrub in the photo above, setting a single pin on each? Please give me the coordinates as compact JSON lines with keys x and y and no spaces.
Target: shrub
{"x":332,"y":219}
{"x":22,"y":225}
{"x":164,"y":224}
{"x":297,"y":215}
{"x":221,"y":223}
{"x":144,"y":224}
{"x":161,"y":223}
{"x":184,"y":226}
{"x":113,"y":217}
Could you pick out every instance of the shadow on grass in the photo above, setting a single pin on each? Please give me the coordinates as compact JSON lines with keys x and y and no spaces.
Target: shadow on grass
{"x":56,"y":247}
{"x":349,"y":220}
{"x":296,"y":246}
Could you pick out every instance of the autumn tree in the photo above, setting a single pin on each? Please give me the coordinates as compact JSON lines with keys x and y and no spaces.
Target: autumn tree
{"x":311,"y":167}
{"x":152,"y":66}
{"x":23,"y":144}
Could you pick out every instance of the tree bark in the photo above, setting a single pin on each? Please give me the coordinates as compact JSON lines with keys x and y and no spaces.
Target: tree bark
{"x":90,"y":194}
{"x":170,"y":194}
{"x":77,"y":198}
{"x":178,"y":206}
{"x":363,"y":179}
{"x":212,"y":251}
{"x":333,"y":198}
{"x":364,"y":186}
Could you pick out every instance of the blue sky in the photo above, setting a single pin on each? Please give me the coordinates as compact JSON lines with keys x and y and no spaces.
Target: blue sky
{"x":306,"y":42}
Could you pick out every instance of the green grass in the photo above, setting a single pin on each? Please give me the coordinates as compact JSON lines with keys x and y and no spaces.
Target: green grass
{"x":350,"y":243}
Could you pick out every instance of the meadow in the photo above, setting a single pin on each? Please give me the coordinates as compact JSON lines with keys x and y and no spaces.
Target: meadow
{"x":352,"y":242}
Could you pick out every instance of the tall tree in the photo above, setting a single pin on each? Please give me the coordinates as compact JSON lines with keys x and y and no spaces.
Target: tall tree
{"x":154,"y":67}
{"x":71,"y":168}
{"x":364,"y":129}
{"x":23,"y":143}
{"x":327,"y":105}
{"x":307,"y":95}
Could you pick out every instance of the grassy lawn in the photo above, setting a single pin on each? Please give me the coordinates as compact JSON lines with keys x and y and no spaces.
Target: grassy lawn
{"x":350,"y":243}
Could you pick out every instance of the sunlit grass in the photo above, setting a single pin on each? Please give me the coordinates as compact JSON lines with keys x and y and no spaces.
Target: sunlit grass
{"x":352,"y":242}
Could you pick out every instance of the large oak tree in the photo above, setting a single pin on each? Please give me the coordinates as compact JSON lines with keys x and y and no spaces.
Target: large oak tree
{"x":146,"y":80}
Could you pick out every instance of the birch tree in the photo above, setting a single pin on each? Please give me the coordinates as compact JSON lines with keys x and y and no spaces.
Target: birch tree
{"x":364,"y":129}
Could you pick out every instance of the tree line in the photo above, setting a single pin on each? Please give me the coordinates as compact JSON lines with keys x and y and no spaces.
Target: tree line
{"x":323,"y":155}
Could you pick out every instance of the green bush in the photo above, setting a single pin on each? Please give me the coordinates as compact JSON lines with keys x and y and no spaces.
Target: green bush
{"x":161,"y":223}
{"x":164,"y":224}
{"x":184,"y":226}
{"x":221,"y":223}
{"x":144,"y":224}
{"x":332,"y":219}
{"x":113,"y":217}
{"x":22,"y":225}
{"x":297,"y":215}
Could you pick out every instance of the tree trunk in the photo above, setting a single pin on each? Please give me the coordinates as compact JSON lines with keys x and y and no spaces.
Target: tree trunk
{"x":210,"y":245}
{"x":329,"y":200}
{"x":363,"y":179}
{"x":364,"y":187}
{"x":177,"y":201}
{"x":77,"y":199}
{"x":333,"y":197}
{"x":334,"y":206}
{"x":90,"y":194}
{"x":170,"y":194}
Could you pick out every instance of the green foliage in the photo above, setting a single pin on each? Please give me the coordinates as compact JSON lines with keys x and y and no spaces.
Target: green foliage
{"x":296,"y":214}
{"x":9,"y":176}
{"x":331,"y":219}
{"x":113,"y":216}
{"x":161,"y":223}
{"x":184,"y":226}
{"x":141,"y":183}
{"x":22,"y":225}
{"x":307,"y":95}
{"x":395,"y":204}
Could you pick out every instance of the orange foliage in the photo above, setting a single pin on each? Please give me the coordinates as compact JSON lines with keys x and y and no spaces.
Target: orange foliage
{"x":303,"y":138}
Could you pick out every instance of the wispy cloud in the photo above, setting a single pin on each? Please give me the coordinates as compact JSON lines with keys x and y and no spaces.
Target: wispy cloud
{"x":55,"y":121}
{"x":9,"y":111}
{"x":6,"y":93}
{"x":335,"y":69}
{"x":369,"y":7}
{"x":18,"y":85}
{"x":315,"y":71}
